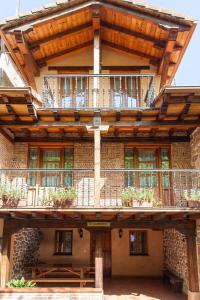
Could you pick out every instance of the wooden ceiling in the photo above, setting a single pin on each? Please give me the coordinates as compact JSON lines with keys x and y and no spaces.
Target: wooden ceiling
{"x":173,"y":117}
{"x":159,"y":38}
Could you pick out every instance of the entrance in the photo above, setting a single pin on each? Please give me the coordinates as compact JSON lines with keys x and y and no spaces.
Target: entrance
{"x":106,"y":248}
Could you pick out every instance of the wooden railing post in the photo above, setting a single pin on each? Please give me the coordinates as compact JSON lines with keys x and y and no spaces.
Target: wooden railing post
{"x":98,"y":261}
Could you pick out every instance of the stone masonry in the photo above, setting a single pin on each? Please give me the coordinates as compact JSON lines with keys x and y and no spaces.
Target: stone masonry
{"x":195,"y":149}
{"x":25,"y":251}
{"x":175,"y":254}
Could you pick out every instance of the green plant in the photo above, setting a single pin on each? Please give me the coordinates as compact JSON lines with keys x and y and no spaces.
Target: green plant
{"x":156,"y":203}
{"x":60,"y":197}
{"x":10,"y":196}
{"x":20,"y":283}
{"x":192,"y":195}
{"x":140,"y":195}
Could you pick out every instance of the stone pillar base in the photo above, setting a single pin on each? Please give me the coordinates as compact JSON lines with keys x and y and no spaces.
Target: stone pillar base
{"x":193,"y":295}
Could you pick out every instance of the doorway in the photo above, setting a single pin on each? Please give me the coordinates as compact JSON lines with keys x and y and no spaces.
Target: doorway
{"x":106,"y":248}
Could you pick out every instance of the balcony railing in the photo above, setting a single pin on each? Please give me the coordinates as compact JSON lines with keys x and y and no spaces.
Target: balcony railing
{"x":25,"y":188}
{"x":98,"y":91}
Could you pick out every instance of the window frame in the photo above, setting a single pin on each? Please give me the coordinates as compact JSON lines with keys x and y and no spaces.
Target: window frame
{"x":39,"y":162}
{"x":57,"y":231}
{"x":146,"y":252}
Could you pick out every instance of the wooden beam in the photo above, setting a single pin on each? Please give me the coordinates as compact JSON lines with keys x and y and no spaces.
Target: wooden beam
{"x":98,"y":260}
{"x":88,"y":68}
{"x":30,"y":65}
{"x":60,"y":35}
{"x":63,"y":52}
{"x":132,"y":33}
{"x":7,"y":134}
{"x":164,"y":107}
{"x":115,"y":139}
{"x":186,"y":108}
{"x":180,"y":124}
{"x":165,"y":62}
{"x":131,"y":51}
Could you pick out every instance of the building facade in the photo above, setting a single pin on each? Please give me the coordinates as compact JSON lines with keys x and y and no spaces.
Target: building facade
{"x":99,"y":151}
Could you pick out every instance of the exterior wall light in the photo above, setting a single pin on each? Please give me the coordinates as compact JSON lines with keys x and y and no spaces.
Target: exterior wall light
{"x":80,"y":231}
{"x":120,"y":233}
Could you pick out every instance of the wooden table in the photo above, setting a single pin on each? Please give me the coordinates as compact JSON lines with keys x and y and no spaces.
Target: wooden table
{"x":62,"y":273}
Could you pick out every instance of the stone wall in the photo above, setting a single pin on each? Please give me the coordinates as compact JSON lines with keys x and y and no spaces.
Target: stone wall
{"x":181,"y":156}
{"x":6,"y":150}
{"x":26,"y":244}
{"x":195,"y":149}
{"x":175,"y":254}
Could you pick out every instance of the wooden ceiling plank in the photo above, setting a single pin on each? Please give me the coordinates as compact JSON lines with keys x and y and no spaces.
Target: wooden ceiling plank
{"x":60,"y":35}
{"x":156,"y":42}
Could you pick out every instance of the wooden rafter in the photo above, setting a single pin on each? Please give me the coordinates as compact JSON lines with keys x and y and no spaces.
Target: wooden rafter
{"x":131,"y":33}
{"x":131,"y":51}
{"x":186,"y":107}
{"x":164,"y":107}
{"x":166,"y":58}
{"x":9,"y":108}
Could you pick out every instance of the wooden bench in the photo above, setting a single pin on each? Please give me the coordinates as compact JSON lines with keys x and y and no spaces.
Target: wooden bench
{"x":82,"y":281}
{"x":175,"y":281}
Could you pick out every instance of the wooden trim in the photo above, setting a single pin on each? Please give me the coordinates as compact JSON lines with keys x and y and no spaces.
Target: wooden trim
{"x":192,"y":263}
{"x":145,"y":242}
{"x":86,"y":69}
{"x":55,"y":243}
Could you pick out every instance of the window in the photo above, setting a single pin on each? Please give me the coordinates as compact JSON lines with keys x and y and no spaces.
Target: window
{"x":138,"y":242}
{"x":63,"y":242}
{"x":146,"y":159}
{"x":61,"y":158}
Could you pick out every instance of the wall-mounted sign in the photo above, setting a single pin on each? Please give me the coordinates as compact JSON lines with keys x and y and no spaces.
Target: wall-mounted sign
{"x":98,"y":224}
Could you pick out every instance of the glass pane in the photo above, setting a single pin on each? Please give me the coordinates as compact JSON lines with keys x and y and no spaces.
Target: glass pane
{"x":51,"y":155}
{"x":69,"y":158}
{"x":66,"y":92}
{"x":164,"y":154}
{"x":146,"y":155}
{"x":129,"y":158}
{"x":132,"y":91}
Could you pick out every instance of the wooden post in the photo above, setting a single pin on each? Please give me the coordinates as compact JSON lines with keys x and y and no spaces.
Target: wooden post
{"x":97,"y":166}
{"x":5,"y":260}
{"x":98,"y":261}
{"x":193,"y":282}
{"x":96,"y":67}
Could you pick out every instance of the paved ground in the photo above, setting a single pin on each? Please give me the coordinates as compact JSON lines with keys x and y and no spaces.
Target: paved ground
{"x":139,"y":289}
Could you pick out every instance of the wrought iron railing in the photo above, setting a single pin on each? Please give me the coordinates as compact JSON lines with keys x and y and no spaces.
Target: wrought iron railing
{"x":98,"y":91}
{"x":36,"y":188}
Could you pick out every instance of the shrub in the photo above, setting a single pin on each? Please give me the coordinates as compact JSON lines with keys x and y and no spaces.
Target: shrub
{"x":20,"y":283}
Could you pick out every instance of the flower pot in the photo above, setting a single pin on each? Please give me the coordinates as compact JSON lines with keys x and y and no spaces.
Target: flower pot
{"x":9,"y":202}
{"x":193,"y":204}
{"x":127,"y":203}
{"x":62,"y":203}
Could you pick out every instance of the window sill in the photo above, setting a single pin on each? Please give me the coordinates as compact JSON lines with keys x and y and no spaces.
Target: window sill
{"x":62,"y":254}
{"x":139,"y":254}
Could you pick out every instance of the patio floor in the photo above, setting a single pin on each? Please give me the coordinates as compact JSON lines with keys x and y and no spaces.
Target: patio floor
{"x":139,"y":289}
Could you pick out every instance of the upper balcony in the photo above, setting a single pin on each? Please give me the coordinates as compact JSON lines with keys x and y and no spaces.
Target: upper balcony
{"x":77,"y":91}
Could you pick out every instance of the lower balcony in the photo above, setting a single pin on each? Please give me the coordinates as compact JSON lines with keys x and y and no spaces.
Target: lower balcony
{"x":131,"y":189}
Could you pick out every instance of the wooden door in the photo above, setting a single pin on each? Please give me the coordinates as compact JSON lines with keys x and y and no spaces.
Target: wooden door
{"x":106,"y":245}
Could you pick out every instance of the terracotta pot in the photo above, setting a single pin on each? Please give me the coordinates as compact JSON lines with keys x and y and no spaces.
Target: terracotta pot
{"x":10,"y":202}
{"x":193,"y":204}
{"x":62,"y":204}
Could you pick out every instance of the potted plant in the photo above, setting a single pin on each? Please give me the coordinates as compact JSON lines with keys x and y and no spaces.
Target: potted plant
{"x":137,"y":196}
{"x":192,"y":197}
{"x":60,"y":197}
{"x":20,"y":283}
{"x":10,"y":196}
